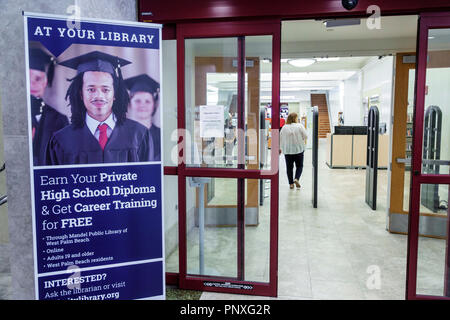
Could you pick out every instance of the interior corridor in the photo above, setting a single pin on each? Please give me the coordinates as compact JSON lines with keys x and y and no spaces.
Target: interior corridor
{"x":341,"y":250}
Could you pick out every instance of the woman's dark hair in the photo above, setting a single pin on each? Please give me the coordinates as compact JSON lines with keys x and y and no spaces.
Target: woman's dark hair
{"x":74,"y":94}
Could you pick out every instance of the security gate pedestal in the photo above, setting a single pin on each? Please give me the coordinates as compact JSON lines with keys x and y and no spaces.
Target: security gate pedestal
{"x":429,"y":196}
{"x":315,"y":147}
{"x":372,"y":157}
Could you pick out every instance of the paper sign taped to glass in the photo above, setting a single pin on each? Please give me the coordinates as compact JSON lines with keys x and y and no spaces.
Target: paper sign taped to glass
{"x":212,"y":121}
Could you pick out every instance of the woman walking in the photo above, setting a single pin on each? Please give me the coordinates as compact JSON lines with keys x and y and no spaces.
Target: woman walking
{"x":292,"y":145}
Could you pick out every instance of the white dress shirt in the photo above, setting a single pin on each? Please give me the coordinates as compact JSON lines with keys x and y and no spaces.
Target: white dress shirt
{"x":292,"y":138}
{"x":93,"y":124}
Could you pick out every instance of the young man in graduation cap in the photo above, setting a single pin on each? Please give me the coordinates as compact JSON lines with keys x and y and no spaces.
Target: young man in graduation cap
{"x":144,"y":94}
{"x":45,"y":119}
{"x":100,"y":131}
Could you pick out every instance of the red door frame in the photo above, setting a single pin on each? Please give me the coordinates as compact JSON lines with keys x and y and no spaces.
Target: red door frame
{"x":178,"y":11}
{"x":426,"y":22}
{"x":228,"y":29}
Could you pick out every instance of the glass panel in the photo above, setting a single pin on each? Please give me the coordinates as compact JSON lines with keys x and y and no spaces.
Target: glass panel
{"x":211,"y":226}
{"x":169,"y":98}
{"x":171,"y":223}
{"x":257,"y":231}
{"x":433,"y":258}
{"x":212,"y":249}
{"x":169,"y":116}
{"x":409,"y":134}
{"x":406,"y":190}
{"x":436,"y":154}
{"x":223,"y":91}
{"x":211,"y":95}
{"x":258,"y":52}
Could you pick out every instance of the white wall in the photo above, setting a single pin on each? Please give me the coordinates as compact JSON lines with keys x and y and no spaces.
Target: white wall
{"x":335,"y":104}
{"x":438,"y":82}
{"x":377,"y":80}
{"x":301,"y":104}
{"x":353,"y":107}
{"x":304,"y":103}
{"x":294,"y":107}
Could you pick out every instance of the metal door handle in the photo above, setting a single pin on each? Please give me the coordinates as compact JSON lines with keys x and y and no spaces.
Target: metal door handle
{"x":425,"y":161}
{"x":404,"y":160}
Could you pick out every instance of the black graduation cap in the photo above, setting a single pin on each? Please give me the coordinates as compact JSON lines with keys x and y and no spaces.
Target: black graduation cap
{"x":96,"y":61}
{"x":39,"y":60}
{"x":142,"y":83}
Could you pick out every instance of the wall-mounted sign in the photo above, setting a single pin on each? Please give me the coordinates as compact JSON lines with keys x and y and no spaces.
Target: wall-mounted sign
{"x":96,"y":158}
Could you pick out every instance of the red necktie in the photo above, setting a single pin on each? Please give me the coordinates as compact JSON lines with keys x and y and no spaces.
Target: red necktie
{"x":103,"y":138}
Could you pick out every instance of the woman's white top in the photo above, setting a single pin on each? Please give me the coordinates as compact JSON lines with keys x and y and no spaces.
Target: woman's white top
{"x":292,"y":138}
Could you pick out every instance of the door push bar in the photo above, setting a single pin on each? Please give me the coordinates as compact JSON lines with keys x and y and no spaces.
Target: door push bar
{"x":425,"y":161}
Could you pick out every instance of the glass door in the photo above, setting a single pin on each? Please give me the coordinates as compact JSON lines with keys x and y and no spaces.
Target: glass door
{"x":228,"y":222}
{"x":428,"y":258}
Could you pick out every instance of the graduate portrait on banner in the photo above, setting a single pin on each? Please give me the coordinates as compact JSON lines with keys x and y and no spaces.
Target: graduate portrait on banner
{"x":45,"y":120}
{"x":94,"y":130}
{"x":144,"y":97}
{"x":108,"y":119}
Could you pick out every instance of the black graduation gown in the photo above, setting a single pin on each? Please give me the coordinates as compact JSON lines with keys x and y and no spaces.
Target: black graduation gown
{"x":50,"y":122}
{"x":129,"y":142}
{"x":155,"y":133}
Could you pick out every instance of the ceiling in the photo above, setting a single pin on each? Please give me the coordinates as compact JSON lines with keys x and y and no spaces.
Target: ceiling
{"x":439,"y":39}
{"x":315,"y":30}
{"x":344,"y":64}
{"x":310,"y":38}
{"x":355,"y":45}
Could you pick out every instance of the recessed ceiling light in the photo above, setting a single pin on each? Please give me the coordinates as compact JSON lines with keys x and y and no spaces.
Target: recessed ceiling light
{"x":301,"y":63}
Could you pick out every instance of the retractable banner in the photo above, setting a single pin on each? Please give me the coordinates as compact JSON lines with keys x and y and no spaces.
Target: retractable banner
{"x":95,"y":156}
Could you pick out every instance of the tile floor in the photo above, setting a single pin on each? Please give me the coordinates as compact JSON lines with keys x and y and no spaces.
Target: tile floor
{"x":341,"y":250}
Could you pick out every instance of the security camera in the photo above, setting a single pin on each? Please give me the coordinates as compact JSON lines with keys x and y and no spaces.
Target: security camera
{"x":349,"y":4}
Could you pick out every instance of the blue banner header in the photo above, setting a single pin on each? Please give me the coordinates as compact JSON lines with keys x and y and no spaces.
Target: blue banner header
{"x":58,"y":35}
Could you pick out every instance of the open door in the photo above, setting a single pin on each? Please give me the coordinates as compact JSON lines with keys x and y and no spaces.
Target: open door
{"x":228,"y":240}
{"x":428,"y":259}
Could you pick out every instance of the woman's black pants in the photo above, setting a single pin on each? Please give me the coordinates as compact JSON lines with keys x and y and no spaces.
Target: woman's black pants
{"x":290,"y":160}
